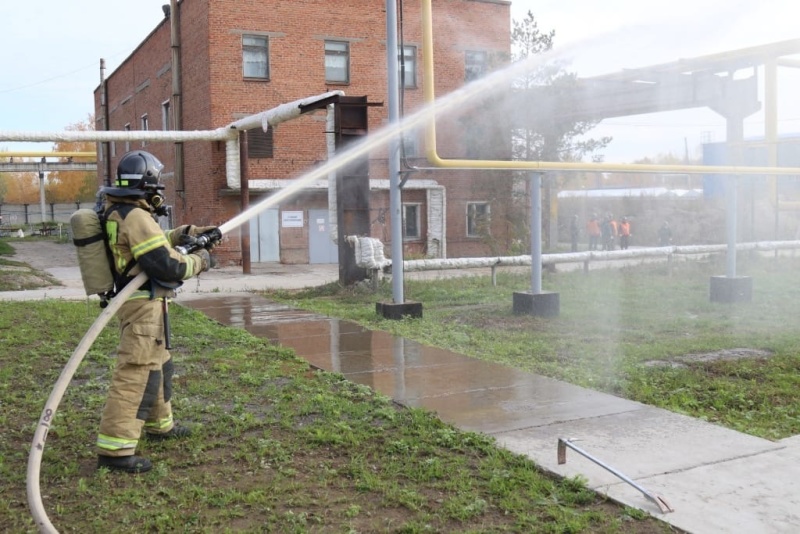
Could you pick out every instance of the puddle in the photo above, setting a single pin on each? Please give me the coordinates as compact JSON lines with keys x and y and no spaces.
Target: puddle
{"x":470,"y":393}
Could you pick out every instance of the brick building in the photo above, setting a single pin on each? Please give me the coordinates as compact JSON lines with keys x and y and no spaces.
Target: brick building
{"x":241,"y":57}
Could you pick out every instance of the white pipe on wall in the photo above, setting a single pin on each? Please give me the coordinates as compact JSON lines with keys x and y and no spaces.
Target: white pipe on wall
{"x":330,"y":140}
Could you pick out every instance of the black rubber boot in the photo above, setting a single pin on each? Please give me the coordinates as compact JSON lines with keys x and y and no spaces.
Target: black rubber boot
{"x":175,"y":432}
{"x":129,"y":464}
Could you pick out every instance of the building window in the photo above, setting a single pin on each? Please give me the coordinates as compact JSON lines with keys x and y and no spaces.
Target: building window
{"x":409,"y":66}
{"x":474,"y":65}
{"x":477,"y":219}
{"x":127,"y":141}
{"x":145,"y":127}
{"x":410,"y":144}
{"x":411,"y":225}
{"x":337,"y":62}
{"x":165,"y":122}
{"x":259,"y":143}
{"x":255,"y":56}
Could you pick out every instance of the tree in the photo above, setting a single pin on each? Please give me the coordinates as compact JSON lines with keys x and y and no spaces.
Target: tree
{"x":18,"y":187}
{"x":71,"y":186}
{"x":539,"y":131}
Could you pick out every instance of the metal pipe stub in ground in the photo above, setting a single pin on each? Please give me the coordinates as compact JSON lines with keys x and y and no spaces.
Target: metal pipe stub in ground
{"x":662,"y":504}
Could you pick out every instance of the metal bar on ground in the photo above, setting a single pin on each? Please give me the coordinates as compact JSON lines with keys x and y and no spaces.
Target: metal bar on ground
{"x":662,"y":504}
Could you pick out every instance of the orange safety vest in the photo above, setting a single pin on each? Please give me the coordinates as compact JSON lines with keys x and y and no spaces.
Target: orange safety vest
{"x":625,"y":228}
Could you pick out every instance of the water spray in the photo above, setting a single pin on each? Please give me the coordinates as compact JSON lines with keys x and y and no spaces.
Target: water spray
{"x":425,"y":116}
{"x":344,"y":158}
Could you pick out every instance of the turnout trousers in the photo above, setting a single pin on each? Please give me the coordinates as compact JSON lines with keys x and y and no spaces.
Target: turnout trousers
{"x":141,"y":384}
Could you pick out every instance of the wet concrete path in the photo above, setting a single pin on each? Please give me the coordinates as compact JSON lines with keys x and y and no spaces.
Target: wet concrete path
{"x":469,"y":393}
{"x":717,"y":480}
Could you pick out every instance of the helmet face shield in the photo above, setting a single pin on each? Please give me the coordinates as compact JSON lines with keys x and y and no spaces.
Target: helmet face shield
{"x":139,"y":170}
{"x":138,"y":175}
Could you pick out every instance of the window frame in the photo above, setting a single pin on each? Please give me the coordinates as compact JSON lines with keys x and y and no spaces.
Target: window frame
{"x":255,"y":49}
{"x":417,"y":221}
{"x":475,"y":64}
{"x":127,"y":128}
{"x":145,"y":122}
{"x":410,"y":140}
{"x":334,"y":54}
{"x":409,"y":51}
{"x":473,"y":225}
{"x":166,"y":109}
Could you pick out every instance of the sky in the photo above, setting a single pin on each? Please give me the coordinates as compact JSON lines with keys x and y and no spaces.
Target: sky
{"x":50,"y":54}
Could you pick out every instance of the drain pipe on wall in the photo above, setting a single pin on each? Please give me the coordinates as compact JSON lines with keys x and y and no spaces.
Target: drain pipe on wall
{"x":330,"y":141}
{"x":177,"y":98}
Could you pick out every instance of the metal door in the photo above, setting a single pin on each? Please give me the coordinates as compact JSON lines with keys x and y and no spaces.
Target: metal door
{"x":321,"y":248}
{"x":264,"y":242}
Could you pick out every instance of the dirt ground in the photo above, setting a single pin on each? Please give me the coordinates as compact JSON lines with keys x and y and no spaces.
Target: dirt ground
{"x":45,"y":254}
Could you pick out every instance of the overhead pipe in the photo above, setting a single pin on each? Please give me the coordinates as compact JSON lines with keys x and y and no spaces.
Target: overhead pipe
{"x":229,"y":134}
{"x":43,"y":154}
{"x":438,"y":162}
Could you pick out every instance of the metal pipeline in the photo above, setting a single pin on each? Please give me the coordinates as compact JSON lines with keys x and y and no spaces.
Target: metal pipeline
{"x":441,"y":163}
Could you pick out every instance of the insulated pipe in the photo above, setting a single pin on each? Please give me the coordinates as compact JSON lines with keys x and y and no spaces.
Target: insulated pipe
{"x":48,"y":154}
{"x":273,"y":117}
{"x":476,"y":88}
{"x":218,"y":134}
{"x":330,"y":142}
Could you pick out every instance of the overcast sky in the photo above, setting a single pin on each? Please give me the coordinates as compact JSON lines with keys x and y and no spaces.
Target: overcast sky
{"x":50,"y":52}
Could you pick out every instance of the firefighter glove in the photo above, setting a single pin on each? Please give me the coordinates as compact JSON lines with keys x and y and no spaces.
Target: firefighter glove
{"x":200,"y":230}
{"x":205,"y":260}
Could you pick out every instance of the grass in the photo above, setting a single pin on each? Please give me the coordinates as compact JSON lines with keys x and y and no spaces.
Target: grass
{"x":640,"y":332}
{"x":278,"y":447}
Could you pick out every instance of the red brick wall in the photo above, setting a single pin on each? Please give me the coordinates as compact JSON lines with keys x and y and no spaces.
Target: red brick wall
{"x":215,"y":94}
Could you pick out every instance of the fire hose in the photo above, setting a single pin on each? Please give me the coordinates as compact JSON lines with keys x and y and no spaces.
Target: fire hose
{"x":48,"y":413}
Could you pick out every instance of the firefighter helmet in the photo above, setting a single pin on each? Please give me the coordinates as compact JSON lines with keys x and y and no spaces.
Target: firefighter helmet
{"x":138,"y":175}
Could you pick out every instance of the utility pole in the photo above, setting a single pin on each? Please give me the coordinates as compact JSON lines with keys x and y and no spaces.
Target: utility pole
{"x":41,"y":187}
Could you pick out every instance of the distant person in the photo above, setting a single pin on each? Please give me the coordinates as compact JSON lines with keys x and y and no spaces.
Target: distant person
{"x":574,"y":233}
{"x":624,"y":233}
{"x":593,"y":231}
{"x":609,"y":231}
{"x":612,"y":222}
{"x":665,"y":235}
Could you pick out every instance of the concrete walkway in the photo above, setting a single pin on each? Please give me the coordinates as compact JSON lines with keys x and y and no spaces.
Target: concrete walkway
{"x":716,"y":480}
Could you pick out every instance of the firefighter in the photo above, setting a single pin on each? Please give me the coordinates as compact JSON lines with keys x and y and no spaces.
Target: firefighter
{"x":141,"y":384}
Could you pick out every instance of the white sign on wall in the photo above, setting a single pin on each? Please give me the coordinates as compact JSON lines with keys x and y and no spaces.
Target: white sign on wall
{"x":292,"y":219}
